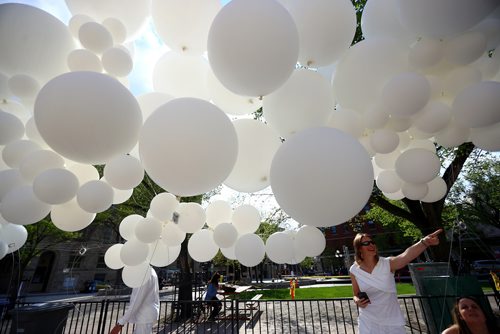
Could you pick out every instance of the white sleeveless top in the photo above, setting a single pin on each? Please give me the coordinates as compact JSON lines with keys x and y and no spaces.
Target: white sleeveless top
{"x":380,"y":287}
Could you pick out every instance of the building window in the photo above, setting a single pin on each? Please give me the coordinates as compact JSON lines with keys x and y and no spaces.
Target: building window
{"x":334,"y":229}
{"x":100,"y":262}
{"x":75,"y":261}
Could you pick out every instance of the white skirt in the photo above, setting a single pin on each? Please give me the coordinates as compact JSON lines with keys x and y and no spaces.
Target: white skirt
{"x":368,"y":327}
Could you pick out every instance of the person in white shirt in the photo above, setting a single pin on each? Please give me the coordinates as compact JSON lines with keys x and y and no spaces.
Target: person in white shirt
{"x":144,"y":307}
{"x":374,"y":287}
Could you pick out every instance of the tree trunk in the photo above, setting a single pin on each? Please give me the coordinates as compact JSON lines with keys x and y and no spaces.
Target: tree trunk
{"x":185,"y":283}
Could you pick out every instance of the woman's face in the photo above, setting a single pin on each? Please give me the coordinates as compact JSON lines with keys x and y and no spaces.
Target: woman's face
{"x":367,"y":247}
{"x":470,"y":312}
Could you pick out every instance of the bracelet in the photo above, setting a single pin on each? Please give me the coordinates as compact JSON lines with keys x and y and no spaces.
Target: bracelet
{"x":424,"y":243}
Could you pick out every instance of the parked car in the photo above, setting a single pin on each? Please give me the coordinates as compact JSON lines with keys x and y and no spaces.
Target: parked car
{"x":482,"y":267}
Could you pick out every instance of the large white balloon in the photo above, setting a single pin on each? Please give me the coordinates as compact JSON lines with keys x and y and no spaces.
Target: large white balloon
{"x":124,"y":172}
{"x":465,"y":48}
{"x":426,"y":52}
{"x":322,"y":177}
{"x":137,"y":275}
{"x":172,"y":235}
{"x":95,"y":37}
{"x":134,"y":252}
{"x":117,"y":61}
{"x":225,"y":235}
{"x":487,"y":138}
{"x":163,"y":206}
{"x":417,"y":165}
{"x":477,"y":105}
{"x":183,"y":25}
{"x":326,"y":29}
{"x":191,"y":217}
{"x":87,"y":117}
{"x":278,"y":247}
{"x":55,"y":186}
{"x":83,"y":172}
{"x":11,"y":128}
{"x":127,"y":226}
{"x":433,"y":118}
{"x":254,"y":59}
{"x":148,"y":230}
{"x":34,"y":37}
{"x":95,"y":196}
{"x":201,"y":246}
{"x":249,"y":250}
{"x":21,"y":206}
{"x":218,"y":212}
{"x":437,"y":190}
{"x":112,"y":257}
{"x":443,"y":18}
{"x":384,"y":140}
{"x":70,"y":217}
{"x":305,"y":100}
{"x":310,"y":240}
{"x":14,"y":152}
{"x":257,"y":144}
{"x":206,"y":156}
{"x":36,"y":162}
{"x":414,"y":191}
{"x":388,"y":181}
{"x":364,"y":69}
{"x":161,"y":254}
{"x":246,"y":219}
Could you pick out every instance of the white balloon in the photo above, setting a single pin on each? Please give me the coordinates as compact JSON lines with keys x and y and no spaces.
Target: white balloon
{"x":117,"y":62}
{"x":396,"y":196}
{"x":437,"y":190}
{"x":487,"y":138}
{"x":70,"y":217}
{"x":116,"y":28}
{"x":228,"y":101}
{"x":246,"y":219}
{"x":172,"y":235}
{"x":134,"y":252}
{"x":183,"y":26}
{"x":25,"y":29}
{"x":181,"y":75}
{"x":68,"y":105}
{"x":257,"y":144}
{"x":417,"y":165}
{"x":278,"y":247}
{"x":376,"y":117}
{"x":14,"y":236}
{"x":163,"y":205}
{"x":11,"y":128}
{"x":313,"y":185}
{"x":255,"y":59}
{"x":95,"y":37}
{"x":112,"y":257}
{"x":148,"y":230}
{"x":249,"y":250}
{"x":84,"y":60}
{"x":38,"y":161}
{"x":228,"y":253}
{"x":465,"y":48}
{"x":388,"y":181}
{"x":149,"y":102}
{"x":21,"y":206}
{"x":218,"y":212}
{"x":83,"y":172}
{"x":477,"y":105}
{"x":384,"y":140}
{"x":425,"y":53}
{"x":305,"y":100}
{"x":161,"y":254}
{"x":95,"y":196}
{"x":201,"y":246}
{"x":399,"y":124}
{"x":121,"y":196}
{"x":364,"y":69}
{"x":4,"y":248}
{"x":458,"y":79}
{"x":326,"y":29}
{"x":191,"y":217}
{"x":347,"y":120}
{"x":204,"y":131}
{"x":76,"y":21}
{"x":310,"y":240}
{"x":14,"y":152}
{"x":442,"y":18}
{"x":386,"y":161}
{"x":55,"y":186}
{"x":225,"y":235}
{"x":433,"y":118}
{"x":137,"y":275}
{"x":452,"y":135}
{"x":124,"y":172}
{"x":127,"y":226}
{"x":24,"y":86}
{"x":414,"y":191}
{"x":405,"y":94}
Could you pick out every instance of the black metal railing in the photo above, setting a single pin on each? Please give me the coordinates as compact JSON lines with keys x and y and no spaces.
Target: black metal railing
{"x":337,"y":315}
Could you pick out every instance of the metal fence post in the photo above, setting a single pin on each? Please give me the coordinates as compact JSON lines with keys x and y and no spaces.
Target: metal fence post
{"x":102,"y":316}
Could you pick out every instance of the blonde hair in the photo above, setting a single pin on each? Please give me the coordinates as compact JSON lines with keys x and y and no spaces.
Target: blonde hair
{"x":356,"y":243}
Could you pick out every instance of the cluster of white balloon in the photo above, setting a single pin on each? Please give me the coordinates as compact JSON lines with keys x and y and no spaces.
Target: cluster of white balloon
{"x":422,"y":75}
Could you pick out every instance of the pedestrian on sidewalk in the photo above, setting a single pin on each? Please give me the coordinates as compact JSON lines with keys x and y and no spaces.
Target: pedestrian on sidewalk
{"x":211,"y":296}
{"x":144,"y":307}
{"x":374,"y":287}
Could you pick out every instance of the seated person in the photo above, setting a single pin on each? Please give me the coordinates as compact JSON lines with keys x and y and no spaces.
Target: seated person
{"x":470,"y":318}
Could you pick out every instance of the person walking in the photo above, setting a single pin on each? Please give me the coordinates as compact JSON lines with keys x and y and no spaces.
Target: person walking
{"x":211,"y":296}
{"x":374,"y":287}
{"x":144,"y":307}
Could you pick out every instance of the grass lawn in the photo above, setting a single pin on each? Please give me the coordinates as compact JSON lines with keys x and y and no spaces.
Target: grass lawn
{"x":318,"y":293}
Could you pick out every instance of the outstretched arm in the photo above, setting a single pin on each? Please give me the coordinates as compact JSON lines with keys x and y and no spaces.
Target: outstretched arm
{"x":398,"y":262}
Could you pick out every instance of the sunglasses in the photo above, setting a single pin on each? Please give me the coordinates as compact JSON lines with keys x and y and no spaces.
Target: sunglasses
{"x":367,"y":243}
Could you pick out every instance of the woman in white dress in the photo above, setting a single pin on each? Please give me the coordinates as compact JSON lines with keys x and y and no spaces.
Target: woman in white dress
{"x":373,"y":276}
